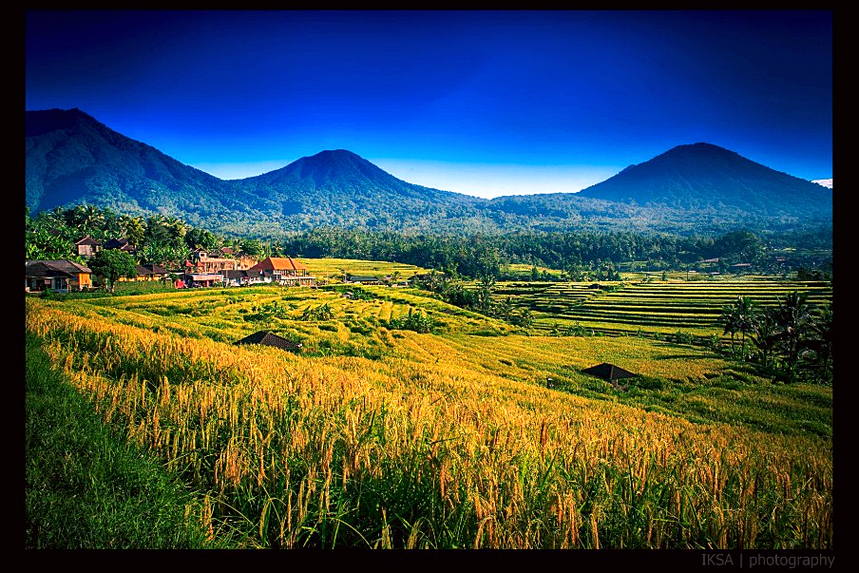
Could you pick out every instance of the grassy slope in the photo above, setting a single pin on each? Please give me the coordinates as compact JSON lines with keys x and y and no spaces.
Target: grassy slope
{"x":87,"y":488}
{"x":462,"y":392}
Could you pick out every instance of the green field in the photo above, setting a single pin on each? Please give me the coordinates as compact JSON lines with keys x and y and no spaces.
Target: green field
{"x":468,"y":433}
{"x":658,"y":307}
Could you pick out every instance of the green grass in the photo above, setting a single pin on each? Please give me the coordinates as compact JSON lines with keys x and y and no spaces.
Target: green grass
{"x":85,"y":487}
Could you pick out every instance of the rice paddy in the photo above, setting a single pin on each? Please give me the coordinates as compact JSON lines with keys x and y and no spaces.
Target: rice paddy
{"x":693,"y":307}
{"x":473,"y":435}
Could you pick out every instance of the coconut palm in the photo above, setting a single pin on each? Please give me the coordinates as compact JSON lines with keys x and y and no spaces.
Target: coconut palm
{"x":793,"y":317}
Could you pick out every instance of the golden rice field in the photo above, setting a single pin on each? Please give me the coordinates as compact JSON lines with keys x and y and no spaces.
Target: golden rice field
{"x":389,"y":438}
{"x":334,"y":268}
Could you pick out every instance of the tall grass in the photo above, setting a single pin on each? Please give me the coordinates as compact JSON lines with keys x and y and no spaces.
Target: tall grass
{"x":86,"y":488}
{"x":344,"y":451}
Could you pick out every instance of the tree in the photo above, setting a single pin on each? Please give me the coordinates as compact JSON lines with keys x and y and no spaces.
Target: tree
{"x":745,"y":310}
{"x":201,"y":239}
{"x":111,"y":264}
{"x":132,"y":228}
{"x":793,"y":317}
{"x":484,"y":292}
{"x":730,"y":322}
{"x":821,"y":341}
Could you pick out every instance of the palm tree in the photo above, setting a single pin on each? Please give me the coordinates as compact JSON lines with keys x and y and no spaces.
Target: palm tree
{"x":821,"y":340}
{"x":765,"y":335}
{"x":793,"y":317}
{"x":730,"y":321}
{"x":133,"y":228}
{"x":746,"y":313}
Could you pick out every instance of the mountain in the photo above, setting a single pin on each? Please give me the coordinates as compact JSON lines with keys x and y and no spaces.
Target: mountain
{"x":342,"y":185}
{"x":824,"y":182}
{"x":708,"y":178}
{"x":71,"y":158}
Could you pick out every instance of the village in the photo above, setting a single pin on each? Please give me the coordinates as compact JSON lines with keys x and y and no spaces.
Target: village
{"x":221,"y":267}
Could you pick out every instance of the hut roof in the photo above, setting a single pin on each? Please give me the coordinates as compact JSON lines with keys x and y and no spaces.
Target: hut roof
{"x":54,"y":267}
{"x":151,"y":269}
{"x":608,"y":371}
{"x":87,"y":240}
{"x":267,"y":338}
{"x":117,"y":244}
{"x":278,"y":264}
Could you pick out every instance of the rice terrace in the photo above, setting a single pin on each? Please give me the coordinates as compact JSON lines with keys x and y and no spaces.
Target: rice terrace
{"x":607,"y":340}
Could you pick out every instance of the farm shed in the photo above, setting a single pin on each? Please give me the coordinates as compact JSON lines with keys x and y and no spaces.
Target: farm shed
{"x":364,"y":279}
{"x":284,"y":271}
{"x":202,"y":279}
{"x":60,"y":275}
{"x":87,"y":246}
{"x":608,"y":372}
{"x":267,"y":338}
{"x":151,"y":272}
{"x":121,"y":244}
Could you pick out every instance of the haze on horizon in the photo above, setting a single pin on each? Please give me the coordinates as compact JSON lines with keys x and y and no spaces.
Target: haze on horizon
{"x":485,"y":103}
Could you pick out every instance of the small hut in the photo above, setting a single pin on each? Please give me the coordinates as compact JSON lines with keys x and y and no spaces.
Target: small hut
{"x":267,"y":338}
{"x":608,"y":372}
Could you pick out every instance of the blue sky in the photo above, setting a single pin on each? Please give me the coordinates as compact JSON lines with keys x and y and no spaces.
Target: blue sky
{"x":480,"y":102}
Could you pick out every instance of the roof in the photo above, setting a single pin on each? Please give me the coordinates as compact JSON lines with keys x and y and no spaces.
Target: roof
{"x":117,"y":244}
{"x":53,"y":267}
{"x":205,"y":277}
{"x":360,"y":278}
{"x":608,"y":371}
{"x":152,"y":269}
{"x":278,"y":264}
{"x":87,"y":241}
{"x":268,"y":338}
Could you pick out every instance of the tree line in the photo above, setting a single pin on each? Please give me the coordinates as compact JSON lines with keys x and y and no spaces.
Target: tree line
{"x":791,"y":341}
{"x":584,"y":255}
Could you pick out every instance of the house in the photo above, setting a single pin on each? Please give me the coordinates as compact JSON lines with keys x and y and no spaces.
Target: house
{"x":121,"y":244}
{"x":364,"y":279}
{"x":284,"y":271}
{"x":147,"y":273}
{"x":87,"y":247}
{"x":220,"y":260}
{"x":151,"y":272}
{"x":191,"y":280}
{"x":243,"y":277}
{"x":267,"y":338}
{"x":60,"y":275}
{"x":608,"y":372}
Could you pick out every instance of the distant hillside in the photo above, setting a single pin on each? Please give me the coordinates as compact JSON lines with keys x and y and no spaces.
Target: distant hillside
{"x":73,"y":159}
{"x":704,"y":177}
{"x":339,"y":187}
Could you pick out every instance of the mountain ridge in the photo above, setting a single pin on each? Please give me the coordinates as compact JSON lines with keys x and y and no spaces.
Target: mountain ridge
{"x":73,"y":158}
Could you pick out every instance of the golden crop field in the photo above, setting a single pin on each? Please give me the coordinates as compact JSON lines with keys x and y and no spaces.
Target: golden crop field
{"x":334,"y":268}
{"x":380,"y":437}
